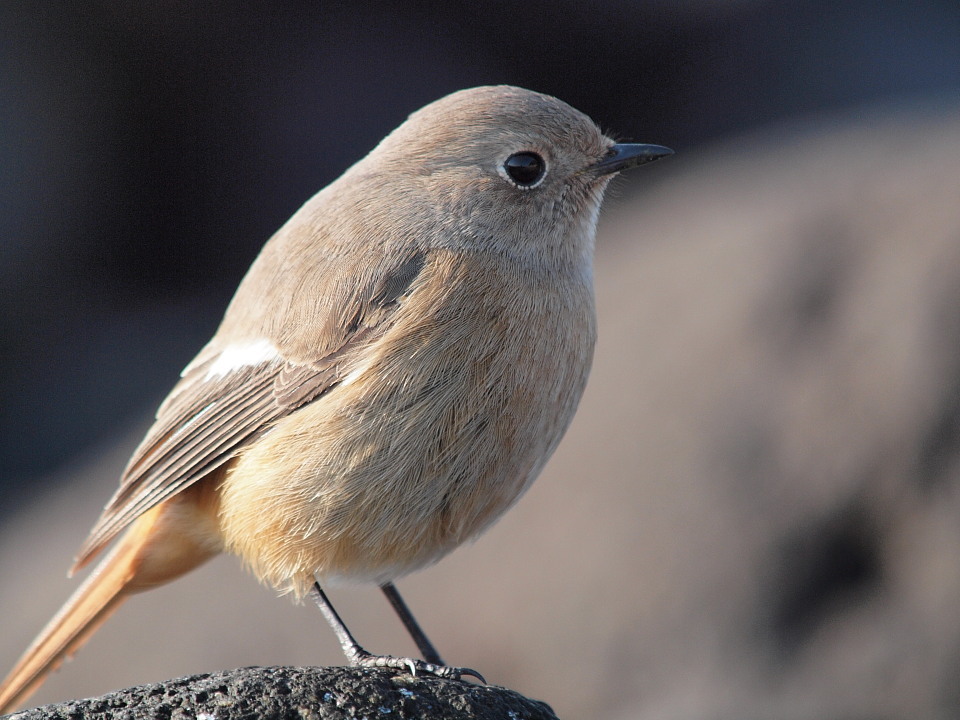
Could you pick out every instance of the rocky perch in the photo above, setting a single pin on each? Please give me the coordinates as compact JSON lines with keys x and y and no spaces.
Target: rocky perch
{"x":295,"y":693}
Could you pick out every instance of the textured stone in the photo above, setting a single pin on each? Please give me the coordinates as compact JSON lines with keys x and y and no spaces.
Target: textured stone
{"x":280,"y":693}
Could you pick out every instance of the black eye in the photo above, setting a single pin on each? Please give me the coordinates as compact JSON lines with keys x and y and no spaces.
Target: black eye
{"x":525,"y":168}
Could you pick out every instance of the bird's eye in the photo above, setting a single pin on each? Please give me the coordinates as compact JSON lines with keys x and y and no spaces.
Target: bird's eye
{"x":526,"y":169}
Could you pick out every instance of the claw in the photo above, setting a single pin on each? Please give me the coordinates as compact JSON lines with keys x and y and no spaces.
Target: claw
{"x":413,"y":666}
{"x":470,"y":673}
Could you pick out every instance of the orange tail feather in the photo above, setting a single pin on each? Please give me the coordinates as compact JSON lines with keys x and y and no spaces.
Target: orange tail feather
{"x":153,"y":551}
{"x":92,"y":603}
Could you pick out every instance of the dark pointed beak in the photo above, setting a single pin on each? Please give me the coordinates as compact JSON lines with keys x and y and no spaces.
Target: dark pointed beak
{"x":628,"y":155}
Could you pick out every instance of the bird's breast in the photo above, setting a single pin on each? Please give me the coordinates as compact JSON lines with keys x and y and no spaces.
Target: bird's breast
{"x":431,"y":435}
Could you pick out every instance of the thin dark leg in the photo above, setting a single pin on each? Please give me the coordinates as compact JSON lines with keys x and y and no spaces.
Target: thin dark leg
{"x":426,"y":648}
{"x":351,"y":648}
{"x":360,"y":657}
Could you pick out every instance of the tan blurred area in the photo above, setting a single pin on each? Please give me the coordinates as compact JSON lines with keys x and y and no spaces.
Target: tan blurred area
{"x":756,"y":511}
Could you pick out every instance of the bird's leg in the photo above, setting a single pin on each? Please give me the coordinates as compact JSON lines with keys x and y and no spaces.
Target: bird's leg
{"x":361,"y":658}
{"x":426,"y":648}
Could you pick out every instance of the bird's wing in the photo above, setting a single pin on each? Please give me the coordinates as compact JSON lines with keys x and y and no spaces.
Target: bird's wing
{"x":227,"y":398}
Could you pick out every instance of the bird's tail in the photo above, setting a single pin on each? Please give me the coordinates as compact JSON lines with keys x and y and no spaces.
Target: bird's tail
{"x":141,"y":559}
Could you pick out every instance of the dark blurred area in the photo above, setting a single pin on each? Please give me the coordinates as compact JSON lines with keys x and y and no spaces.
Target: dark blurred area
{"x":149,"y":150}
{"x":755,"y":513}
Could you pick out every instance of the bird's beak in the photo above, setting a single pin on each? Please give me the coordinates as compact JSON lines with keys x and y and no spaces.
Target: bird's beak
{"x":627,"y":155}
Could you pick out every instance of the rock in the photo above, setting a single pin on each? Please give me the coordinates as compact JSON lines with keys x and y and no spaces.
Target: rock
{"x":303,"y":693}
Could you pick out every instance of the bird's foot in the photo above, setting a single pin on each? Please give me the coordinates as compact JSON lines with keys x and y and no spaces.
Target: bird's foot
{"x":362,"y":658}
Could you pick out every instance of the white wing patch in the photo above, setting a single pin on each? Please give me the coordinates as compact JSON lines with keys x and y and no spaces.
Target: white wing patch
{"x":234,"y":357}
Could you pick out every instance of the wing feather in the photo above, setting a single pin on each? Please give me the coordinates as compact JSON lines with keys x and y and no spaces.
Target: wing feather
{"x":210,"y":416}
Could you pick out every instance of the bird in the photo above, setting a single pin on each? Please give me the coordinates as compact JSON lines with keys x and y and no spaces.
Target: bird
{"x":394,"y":370}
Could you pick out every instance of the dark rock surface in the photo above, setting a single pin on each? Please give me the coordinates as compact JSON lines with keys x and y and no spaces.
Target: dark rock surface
{"x":279,"y":693}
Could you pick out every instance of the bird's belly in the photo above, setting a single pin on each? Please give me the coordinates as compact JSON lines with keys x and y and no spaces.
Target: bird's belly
{"x":393,"y":469}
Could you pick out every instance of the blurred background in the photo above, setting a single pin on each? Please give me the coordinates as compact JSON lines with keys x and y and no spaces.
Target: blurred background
{"x":757,"y":510}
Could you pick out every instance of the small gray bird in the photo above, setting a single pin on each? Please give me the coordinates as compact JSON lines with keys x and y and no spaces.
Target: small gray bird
{"x":391,"y":375}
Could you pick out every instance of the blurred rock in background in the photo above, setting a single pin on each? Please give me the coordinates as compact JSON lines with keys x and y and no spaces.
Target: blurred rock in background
{"x":757,"y":509}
